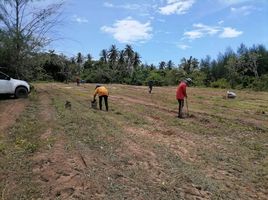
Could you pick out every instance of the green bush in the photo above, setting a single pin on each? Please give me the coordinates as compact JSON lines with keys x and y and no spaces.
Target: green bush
{"x":260,"y":84}
{"x":220,"y":83}
{"x":156,"y":78}
{"x":173,"y":77}
{"x":198,"y":78}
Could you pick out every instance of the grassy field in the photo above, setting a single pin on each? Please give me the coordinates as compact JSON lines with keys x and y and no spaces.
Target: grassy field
{"x":138,"y":150}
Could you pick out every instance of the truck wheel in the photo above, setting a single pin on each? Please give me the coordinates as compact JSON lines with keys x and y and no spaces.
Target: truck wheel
{"x":21,"y":92}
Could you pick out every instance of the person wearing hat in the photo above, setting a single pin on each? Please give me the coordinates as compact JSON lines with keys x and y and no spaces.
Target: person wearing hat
{"x":103,"y":93}
{"x":181,"y":94}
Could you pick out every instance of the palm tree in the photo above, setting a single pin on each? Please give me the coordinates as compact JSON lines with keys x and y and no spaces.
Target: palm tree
{"x":136,"y":60}
{"x":184,"y":65}
{"x":103,"y":56}
{"x":129,"y":55}
{"x":121,"y":59}
{"x":113,"y":56}
{"x":121,"y":68}
{"x":162,"y":65}
{"x":189,"y":65}
{"x":89,"y":57}
{"x":89,"y":63}
{"x":170,"y":65}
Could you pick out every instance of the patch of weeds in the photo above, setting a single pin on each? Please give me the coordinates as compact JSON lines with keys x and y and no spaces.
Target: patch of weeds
{"x":2,"y":148}
{"x":26,"y":145}
{"x":181,"y":173}
{"x":200,"y":97}
{"x":254,"y":147}
{"x":94,"y":129}
{"x":118,"y":113}
{"x":18,"y":146}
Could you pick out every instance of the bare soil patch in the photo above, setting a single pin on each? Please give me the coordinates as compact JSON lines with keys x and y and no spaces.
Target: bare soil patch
{"x":10,"y":111}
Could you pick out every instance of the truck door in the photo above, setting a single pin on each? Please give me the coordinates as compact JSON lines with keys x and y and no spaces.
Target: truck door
{"x":5,"y":84}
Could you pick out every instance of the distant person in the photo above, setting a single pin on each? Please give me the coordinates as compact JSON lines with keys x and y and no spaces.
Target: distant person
{"x":77,"y":81}
{"x":103,"y":93}
{"x":150,"y":84}
{"x":181,"y":94}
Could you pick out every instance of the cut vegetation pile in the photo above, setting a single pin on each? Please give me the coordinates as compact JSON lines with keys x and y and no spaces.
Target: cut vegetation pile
{"x":137,"y":150}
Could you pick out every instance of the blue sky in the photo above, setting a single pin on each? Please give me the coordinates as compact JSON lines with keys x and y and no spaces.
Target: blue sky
{"x":161,"y":30}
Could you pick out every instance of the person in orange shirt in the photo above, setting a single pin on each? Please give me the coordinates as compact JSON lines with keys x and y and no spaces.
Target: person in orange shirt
{"x":103,"y":93}
{"x":181,"y":94}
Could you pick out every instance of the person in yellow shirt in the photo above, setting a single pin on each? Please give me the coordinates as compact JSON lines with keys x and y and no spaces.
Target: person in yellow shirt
{"x":103,"y":93}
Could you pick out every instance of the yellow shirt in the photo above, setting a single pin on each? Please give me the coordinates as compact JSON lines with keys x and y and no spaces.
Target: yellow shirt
{"x":101,"y":91}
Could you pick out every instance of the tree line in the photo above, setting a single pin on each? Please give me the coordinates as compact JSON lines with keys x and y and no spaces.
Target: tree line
{"x":23,"y":36}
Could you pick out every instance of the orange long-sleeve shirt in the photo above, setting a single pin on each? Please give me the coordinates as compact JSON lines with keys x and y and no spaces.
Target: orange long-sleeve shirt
{"x":101,"y":91}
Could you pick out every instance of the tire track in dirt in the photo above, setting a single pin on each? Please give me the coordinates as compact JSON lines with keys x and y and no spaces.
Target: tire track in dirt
{"x":10,"y":111}
{"x":59,"y":172}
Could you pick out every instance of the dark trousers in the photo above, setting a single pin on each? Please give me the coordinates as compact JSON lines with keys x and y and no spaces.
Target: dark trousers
{"x":150,"y":88}
{"x":181,"y":104}
{"x":105,"y":101}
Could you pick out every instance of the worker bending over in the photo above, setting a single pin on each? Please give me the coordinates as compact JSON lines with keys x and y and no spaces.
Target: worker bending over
{"x":103,"y":93}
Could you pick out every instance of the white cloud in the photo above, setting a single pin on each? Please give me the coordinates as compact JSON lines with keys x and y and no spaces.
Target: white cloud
{"x":210,"y":30}
{"x":244,"y":10}
{"x":79,"y":20}
{"x":176,"y":7}
{"x":193,"y":34}
{"x":125,"y":6}
{"x":183,"y":46}
{"x":129,"y":31}
{"x":201,"y":30}
{"x":230,"y":33}
{"x":140,"y":9}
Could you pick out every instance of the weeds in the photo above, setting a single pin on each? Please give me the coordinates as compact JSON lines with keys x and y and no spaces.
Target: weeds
{"x":140,"y":150}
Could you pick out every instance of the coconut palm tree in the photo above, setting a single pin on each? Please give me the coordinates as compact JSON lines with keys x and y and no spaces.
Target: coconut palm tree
{"x":129,"y":55}
{"x":189,"y":65}
{"x":136,"y":60}
{"x":170,"y":65}
{"x":113,"y":56}
{"x":103,"y":56}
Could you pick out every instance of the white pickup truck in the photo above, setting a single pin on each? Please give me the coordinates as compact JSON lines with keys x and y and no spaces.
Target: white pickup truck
{"x":11,"y":86}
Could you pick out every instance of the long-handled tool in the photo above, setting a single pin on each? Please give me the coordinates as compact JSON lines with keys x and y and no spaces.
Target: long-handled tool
{"x":188,"y":115}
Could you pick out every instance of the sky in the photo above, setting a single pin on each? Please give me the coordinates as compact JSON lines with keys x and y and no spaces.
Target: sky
{"x":160,"y":30}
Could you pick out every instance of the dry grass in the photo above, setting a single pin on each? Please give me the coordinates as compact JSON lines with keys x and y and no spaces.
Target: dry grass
{"x":139,"y":149}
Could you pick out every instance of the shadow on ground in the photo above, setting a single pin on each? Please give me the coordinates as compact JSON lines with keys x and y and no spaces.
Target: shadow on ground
{"x":6,"y":97}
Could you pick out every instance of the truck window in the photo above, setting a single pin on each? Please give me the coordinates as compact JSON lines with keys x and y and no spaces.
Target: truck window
{"x":3,"y":76}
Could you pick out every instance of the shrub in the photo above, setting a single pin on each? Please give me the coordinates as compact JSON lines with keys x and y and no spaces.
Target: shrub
{"x":261,"y":84}
{"x":220,"y":83}
{"x":156,"y":78}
